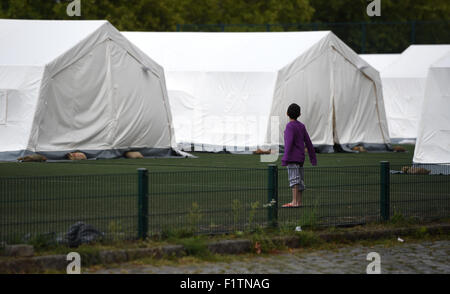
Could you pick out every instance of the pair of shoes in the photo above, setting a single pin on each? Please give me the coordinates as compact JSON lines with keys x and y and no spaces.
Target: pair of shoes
{"x":290,"y":205}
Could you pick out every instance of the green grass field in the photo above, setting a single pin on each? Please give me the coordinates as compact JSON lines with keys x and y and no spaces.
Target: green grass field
{"x":211,"y":193}
{"x":203,"y":159}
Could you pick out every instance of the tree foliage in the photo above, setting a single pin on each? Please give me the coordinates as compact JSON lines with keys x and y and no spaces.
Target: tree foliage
{"x":253,"y":15}
{"x":165,"y":14}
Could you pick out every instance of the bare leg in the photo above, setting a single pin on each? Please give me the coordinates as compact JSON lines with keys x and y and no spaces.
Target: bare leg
{"x":294,"y":195}
{"x":298,"y":197}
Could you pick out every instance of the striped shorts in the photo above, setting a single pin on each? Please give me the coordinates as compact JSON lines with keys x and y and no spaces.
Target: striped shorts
{"x":295,"y":175}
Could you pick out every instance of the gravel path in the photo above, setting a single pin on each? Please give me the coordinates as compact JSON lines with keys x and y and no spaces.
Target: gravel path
{"x":415,"y":258}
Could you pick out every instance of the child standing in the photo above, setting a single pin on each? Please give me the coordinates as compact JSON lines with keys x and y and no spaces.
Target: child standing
{"x":295,"y":139}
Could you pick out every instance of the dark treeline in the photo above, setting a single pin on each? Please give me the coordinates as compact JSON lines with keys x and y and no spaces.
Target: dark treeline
{"x":253,"y":15}
{"x":163,"y":15}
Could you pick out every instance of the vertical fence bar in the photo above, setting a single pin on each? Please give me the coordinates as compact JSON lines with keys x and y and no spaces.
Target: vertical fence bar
{"x":413,"y":32}
{"x":142,"y":203}
{"x":272,"y":195}
{"x":363,"y":38}
{"x":316,"y":26}
{"x":384,"y":190}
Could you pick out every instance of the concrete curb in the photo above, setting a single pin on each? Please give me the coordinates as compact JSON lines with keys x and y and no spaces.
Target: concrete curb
{"x":59,"y":262}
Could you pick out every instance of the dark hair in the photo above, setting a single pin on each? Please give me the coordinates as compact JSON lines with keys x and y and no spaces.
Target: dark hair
{"x":293,"y":111}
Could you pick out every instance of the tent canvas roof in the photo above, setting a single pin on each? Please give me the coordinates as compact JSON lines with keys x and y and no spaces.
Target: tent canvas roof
{"x":444,"y":62}
{"x":415,"y":61}
{"x":48,"y":39}
{"x":379,"y":61}
{"x":226,"y":52}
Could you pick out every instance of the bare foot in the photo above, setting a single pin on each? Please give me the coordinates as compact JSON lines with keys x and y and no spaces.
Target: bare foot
{"x":291,"y":205}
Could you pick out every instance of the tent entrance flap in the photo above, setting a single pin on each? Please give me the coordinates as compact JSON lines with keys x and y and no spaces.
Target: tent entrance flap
{"x":355,"y":107}
{"x":335,"y":135}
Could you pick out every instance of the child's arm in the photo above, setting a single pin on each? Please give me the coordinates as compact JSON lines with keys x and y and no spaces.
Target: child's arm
{"x":310,"y":147}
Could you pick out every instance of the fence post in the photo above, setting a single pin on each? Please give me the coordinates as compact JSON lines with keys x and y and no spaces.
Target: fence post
{"x":142,"y":203}
{"x":272,"y":195}
{"x":384,"y":190}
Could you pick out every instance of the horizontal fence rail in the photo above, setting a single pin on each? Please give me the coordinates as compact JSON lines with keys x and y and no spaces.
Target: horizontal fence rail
{"x":217,"y":200}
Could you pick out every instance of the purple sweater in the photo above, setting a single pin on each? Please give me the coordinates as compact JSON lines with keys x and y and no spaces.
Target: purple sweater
{"x":295,"y":139}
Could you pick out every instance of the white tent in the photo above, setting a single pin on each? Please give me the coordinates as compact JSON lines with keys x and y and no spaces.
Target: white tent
{"x":379,"y":61}
{"x":404,"y":86}
{"x":79,"y":85}
{"x":433,"y":137}
{"x":223,"y":87}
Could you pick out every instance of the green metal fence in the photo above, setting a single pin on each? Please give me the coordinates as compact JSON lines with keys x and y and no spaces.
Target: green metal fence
{"x":215,"y":200}
{"x":419,"y":195}
{"x":32,"y":207}
{"x":362,"y":37}
{"x":334,"y":196}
